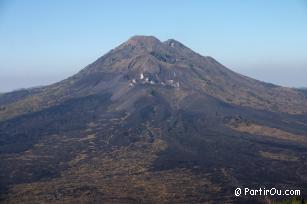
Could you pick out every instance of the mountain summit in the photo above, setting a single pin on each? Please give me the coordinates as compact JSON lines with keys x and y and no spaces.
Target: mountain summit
{"x":151,"y":122}
{"x":143,"y":41}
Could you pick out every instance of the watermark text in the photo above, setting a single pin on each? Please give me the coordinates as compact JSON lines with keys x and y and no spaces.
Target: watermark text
{"x":266,"y":192}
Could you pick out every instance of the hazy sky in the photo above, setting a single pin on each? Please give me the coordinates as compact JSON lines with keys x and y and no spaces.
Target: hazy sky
{"x":45,"y":41}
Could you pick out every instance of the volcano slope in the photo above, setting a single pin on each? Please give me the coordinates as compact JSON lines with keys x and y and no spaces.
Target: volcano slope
{"x":151,"y":122}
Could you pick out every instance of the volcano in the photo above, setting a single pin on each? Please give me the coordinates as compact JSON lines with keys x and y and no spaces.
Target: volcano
{"x":152,"y":122}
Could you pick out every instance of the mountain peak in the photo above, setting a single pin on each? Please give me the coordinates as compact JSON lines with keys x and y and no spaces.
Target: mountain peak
{"x":151,"y":43}
{"x":142,"y":40}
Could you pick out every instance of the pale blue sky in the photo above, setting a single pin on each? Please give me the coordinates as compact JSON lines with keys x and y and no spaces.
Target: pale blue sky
{"x":45,"y":41}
